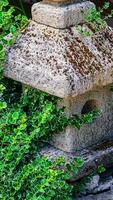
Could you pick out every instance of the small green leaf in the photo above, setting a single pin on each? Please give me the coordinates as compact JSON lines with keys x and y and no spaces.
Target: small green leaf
{"x":3,"y":105}
{"x":79,"y":161}
{"x":13,"y":29}
{"x":106,"y":5}
{"x":15,"y":116}
{"x":11,"y":41}
{"x":1,"y":46}
{"x":101,"y":169}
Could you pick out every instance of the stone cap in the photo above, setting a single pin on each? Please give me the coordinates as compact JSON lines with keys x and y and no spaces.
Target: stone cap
{"x":61,"y":62}
{"x":60,"y":16}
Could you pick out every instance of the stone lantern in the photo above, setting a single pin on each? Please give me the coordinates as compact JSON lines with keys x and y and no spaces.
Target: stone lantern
{"x":51,"y":55}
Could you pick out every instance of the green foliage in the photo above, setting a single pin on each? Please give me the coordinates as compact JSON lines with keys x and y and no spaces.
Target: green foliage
{"x":95,"y":20}
{"x":39,"y":179}
{"x":27,"y":118}
{"x":81,"y":185}
{"x":101,"y":169}
{"x":23,"y":173}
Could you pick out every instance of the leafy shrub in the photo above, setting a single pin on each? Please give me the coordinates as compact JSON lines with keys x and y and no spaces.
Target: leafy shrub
{"x":23,"y":173}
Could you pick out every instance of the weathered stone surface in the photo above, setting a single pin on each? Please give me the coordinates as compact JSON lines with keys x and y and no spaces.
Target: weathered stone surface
{"x":103,"y":186}
{"x":61,"y":62}
{"x":100,"y":129}
{"x":60,"y":17}
{"x":103,"y":196}
{"x":99,"y":184}
{"x":101,"y":154}
{"x":94,"y":183}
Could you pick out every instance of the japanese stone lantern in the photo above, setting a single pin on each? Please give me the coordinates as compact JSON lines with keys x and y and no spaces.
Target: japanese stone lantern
{"x":51,"y":55}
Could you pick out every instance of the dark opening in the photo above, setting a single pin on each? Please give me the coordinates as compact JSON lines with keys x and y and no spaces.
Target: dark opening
{"x":90,"y":106}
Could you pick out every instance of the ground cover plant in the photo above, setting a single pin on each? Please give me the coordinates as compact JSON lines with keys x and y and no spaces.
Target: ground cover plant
{"x":95,"y":20}
{"x":28,"y":118}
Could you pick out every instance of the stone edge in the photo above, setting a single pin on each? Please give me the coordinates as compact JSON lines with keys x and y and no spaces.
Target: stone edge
{"x":60,"y":17}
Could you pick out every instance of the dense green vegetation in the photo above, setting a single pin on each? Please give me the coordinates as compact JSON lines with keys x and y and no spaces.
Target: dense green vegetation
{"x":95,"y":20}
{"x":28,"y":118}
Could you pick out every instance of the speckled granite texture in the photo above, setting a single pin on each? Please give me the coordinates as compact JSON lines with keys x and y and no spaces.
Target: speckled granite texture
{"x":60,"y":16}
{"x":61,"y":62}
